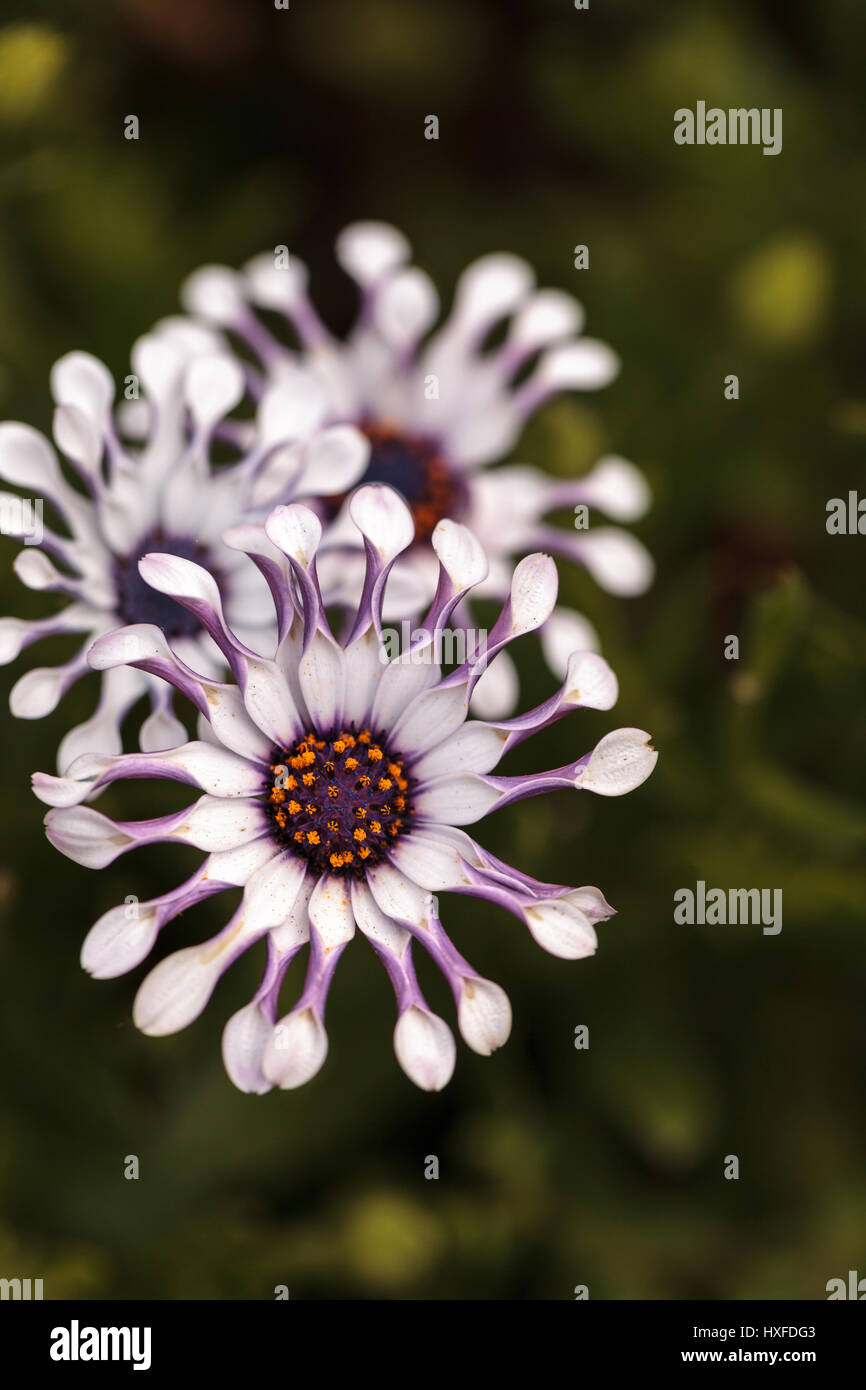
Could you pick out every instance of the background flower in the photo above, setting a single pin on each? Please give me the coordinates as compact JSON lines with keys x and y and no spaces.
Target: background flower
{"x":163,"y":494}
{"x":439,"y":407}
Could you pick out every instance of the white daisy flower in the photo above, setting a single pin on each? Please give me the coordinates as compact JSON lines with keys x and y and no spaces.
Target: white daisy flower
{"x":438,"y":409}
{"x":166,"y":493}
{"x":335,"y":784}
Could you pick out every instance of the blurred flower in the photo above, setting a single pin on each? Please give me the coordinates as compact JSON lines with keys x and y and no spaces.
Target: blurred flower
{"x":334,"y":783}
{"x":164,"y":494}
{"x":439,"y":410}
{"x":782,"y":291}
{"x":32,"y":56}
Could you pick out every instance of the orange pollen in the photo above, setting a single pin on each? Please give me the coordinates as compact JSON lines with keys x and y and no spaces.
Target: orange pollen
{"x":346,"y":820}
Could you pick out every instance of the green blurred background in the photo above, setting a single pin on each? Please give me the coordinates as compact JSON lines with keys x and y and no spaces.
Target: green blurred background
{"x":558,"y":1167}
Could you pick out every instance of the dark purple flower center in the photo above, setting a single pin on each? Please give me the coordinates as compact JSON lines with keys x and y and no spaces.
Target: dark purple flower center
{"x":413,"y":464}
{"x":137,"y":602}
{"x":339,"y":801}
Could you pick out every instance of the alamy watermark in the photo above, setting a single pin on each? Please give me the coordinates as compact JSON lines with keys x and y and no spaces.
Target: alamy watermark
{"x":21,"y":517}
{"x":846,"y":517}
{"x":446,"y":646}
{"x":738,"y":125}
{"x":736,"y":907}
{"x":855,"y":1287}
{"x":21,"y":1289}
{"x":77,"y":1343}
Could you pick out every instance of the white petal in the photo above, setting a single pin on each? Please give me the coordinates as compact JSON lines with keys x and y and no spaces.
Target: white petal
{"x":474,"y":748}
{"x":566,"y":632}
{"x":363,"y":672}
{"x":506,"y":504}
{"x":425,"y":1048}
{"x":591,"y":902}
{"x":237,"y":866}
{"x":616,"y":487}
{"x":160,"y":730}
{"x":619,"y":763}
{"x":140,"y":642}
{"x":158,"y":364}
{"x":484,"y":1016}
{"x":490,"y":287}
{"x":244,"y":1039}
{"x":296,"y":531}
{"x":401,"y":681}
{"x":293,"y":407}
{"x":533,"y":592}
{"x":382,"y":516}
{"x":271,"y":893}
{"x":216,"y":823}
{"x":586,"y":365}
{"x":296,"y":1050}
{"x":295,"y":930}
{"x":460,"y":554}
{"x":405,"y":307}
{"x":176,"y":990}
{"x":13,"y":634}
{"x":119,"y":941}
{"x":214,"y":386}
{"x":591,"y":682}
{"x":66,"y":790}
{"x":430,"y":719}
{"x":38,"y":692}
{"x":27,"y":460}
{"x":78,"y":379}
{"x":484,"y":434}
{"x":179,"y":578}
{"x":275,"y":287}
{"x":617,"y":561}
{"x":333,"y":461}
{"x":77,"y":435}
{"x":188,"y":338}
{"x":369,"y":250}
{"x":35,"y":569}
{"x":233,"y":724}
{"x":495,"y":694}
{"x":562,"y":929}
{"x":549,"y":315}
{"x":278,"y":476}
{"x":456,"y":800}
{"x":215,"y":293}
{"x":430,"y":863}
{"x":373,"y":922}
{"x":85,"y":836}
{"x":397,"y":896}
{"x":269,"y":705}
{"x":322,"y":677}
{"x":330,"y":911}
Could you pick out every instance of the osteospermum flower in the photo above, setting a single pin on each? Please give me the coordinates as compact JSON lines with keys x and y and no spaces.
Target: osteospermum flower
{"x":163,"y":494}
{"x":439,"y":409}
{"x":334,"y":784}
